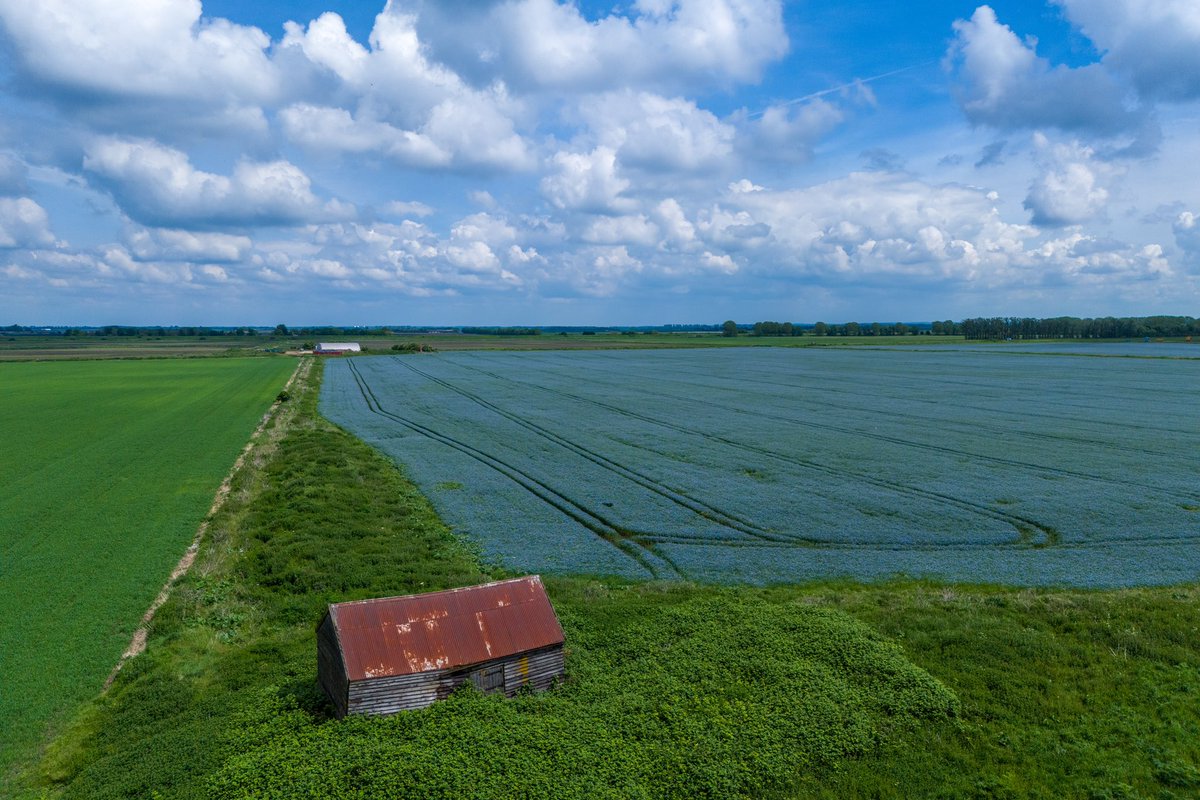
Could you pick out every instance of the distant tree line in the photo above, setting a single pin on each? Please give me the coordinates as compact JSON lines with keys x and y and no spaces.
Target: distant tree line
{"x":322,"y":331}
{"x":996,"y":328}
{"x":776,"y":329}
{"x":987,"y":328}
{"x":503,"y":331}
{"x":157,"y":330}
{"x":1077,"y":328}
{"x":768,"y":328}
{"x":866,"y":329}
{"x":330,"y":331}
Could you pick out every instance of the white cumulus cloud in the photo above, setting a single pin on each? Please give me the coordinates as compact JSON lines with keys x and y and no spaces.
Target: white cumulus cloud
{"x":1187,"y":236}
{"x":789,"y":132}
{"x":586,"y":181}
{"x":658,"y":133}
{"x":876,"y":224}
{"x":1071,"y":188}
{"x":391,"y":98}
{"x":24,"y":223}
{"x":326,"y":128}
{"x":165,"y":244}
{"x":130,"y":53}
{"x":632,"y":229}
{"x":158,"y":185}
{"x":1154,"y":42}
{"x":678,"y":231}
{"x":1004,"y":83}
{"x":550,"y":45}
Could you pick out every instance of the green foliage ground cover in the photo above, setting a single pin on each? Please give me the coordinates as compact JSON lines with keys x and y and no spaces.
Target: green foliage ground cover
{"x":673,"y":689}
{"x":672,"y":693}
{"x":107,"y":470}
{"x":1065,"y":694}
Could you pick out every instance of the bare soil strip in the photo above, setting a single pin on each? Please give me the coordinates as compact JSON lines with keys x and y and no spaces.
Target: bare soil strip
{"x":138,"y":643}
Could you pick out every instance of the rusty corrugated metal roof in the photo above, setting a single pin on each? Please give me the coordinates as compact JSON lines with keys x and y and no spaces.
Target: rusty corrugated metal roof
{"x":444,"y":630}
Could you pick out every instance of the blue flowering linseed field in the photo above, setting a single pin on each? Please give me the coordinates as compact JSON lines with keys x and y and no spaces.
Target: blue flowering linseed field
{"x":771,"y":465}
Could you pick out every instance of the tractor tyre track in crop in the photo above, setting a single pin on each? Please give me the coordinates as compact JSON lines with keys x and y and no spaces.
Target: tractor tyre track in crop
{"x":924,"y":446}
{"x":1027,"y":529}
{"x":676,"y":496}
{"x":630,"y":543}
{"x":990,"y":411}
{"x":852,"y":393}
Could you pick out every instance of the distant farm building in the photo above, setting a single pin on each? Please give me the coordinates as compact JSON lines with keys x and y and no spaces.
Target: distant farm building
{"x":336,"y":348}
{"x":398,"y":653}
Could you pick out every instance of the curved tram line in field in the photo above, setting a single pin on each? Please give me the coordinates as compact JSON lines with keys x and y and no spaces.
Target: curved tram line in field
{"x":637,"y":545}
{"x":704,"y":510}
{"x":927,"y":446}
{"x":1030,"y":532}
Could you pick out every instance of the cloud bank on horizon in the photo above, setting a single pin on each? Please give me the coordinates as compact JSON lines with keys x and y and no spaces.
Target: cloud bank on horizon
{"x":535,"y":161}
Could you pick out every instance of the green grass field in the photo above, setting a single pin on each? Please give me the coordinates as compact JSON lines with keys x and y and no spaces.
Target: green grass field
{"x":822,"y":690}
{"x":107,"y":468}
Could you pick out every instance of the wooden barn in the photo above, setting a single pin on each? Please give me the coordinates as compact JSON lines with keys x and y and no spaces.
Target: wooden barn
{"x":397,"y":653}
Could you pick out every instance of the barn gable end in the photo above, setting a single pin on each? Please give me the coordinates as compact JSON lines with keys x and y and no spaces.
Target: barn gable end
{"x":391,"y":654}
{"x":331,"y":671}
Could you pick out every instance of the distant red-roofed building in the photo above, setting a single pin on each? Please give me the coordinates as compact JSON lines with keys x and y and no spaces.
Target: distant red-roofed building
{"x":397,"y":653}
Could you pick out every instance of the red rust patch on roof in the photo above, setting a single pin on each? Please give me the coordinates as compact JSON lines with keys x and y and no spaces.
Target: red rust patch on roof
{"x":457,"y":628}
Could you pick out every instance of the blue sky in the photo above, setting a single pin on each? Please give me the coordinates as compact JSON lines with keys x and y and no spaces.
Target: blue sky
{"x":536,"y":162}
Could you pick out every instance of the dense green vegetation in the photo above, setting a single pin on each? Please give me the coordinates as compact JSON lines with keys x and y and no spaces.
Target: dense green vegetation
{"x":1076,"y":328}
{"x":769,"y":328}
{"x":107,"y":469}
{"x":494,"y":331}
{"x":673,"y":690}
{"x":1064,"y":694}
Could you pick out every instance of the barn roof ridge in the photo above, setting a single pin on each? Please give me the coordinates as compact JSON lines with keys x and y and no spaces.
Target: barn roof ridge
{"x":437,"y":592}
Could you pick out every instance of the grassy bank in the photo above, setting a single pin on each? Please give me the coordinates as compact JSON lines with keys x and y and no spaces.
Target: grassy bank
{"x":673,"y":690}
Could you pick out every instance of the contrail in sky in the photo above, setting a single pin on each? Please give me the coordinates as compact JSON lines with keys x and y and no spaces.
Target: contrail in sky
{"x":856,"y":82}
